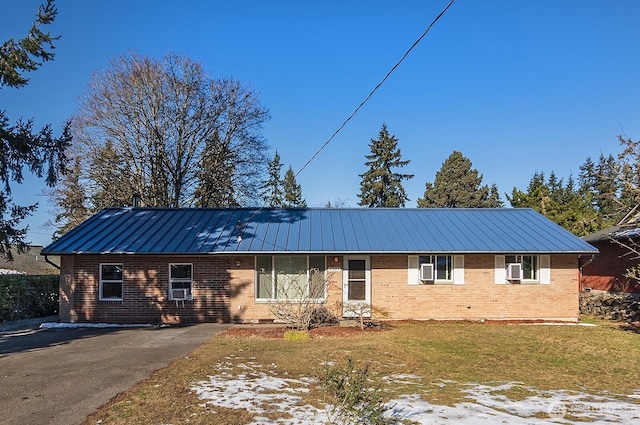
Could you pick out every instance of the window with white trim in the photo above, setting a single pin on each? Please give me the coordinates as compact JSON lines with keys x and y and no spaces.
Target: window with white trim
{"x":111,"y":278}
{"x":534,"y":268}
{"x":442,"y":266}
{"x":529,"y":264}
{"x":447,"y":269}
{"x":290,"y":277}
{"x":180,"y":281}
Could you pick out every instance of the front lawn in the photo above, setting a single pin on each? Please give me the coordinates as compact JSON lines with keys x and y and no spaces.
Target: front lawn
{"x":439,"y":364}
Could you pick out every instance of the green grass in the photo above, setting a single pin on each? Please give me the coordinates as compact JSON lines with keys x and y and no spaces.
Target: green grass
{"x":445,"y":355}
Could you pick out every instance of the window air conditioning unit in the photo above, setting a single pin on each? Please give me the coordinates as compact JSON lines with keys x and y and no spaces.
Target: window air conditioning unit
{"x":514,"y":271}
{"x":180,"y":294}
{"x":426,"y":272}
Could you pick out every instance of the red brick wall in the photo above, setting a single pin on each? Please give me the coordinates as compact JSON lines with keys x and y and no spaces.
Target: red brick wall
{"x":606,"y":271}
{"x":224,"y":291}
{"x":145,"y":290}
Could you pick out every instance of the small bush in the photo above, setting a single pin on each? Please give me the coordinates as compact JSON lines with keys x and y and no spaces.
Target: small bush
{"x":297,"y":336}
{"x":323,"y":317}
{"x":26,"y":297}
{"x":351,"y":398}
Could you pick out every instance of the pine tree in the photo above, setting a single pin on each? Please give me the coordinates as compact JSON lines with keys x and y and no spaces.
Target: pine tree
{"x":292,"y":191}
{"x":494,"y":197}
{"x":110,"y":181}
{"x":216,"y":187}
{"x":21,"y":146}
{"x":272,"y":189}
{"x":562,"y":203}
{"x":71,"y":194}
{"x":602,"y":184}
{"x":380,"y":185}
{"x":17,"y":57}
{"x":457,"y":185}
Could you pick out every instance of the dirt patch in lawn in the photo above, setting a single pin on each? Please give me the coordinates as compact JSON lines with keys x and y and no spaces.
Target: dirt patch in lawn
{"x":277,"y":332}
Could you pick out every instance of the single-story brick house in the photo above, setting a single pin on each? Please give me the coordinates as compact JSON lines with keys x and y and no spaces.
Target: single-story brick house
{"x":149,"y":265}
{"x":607,"y":270}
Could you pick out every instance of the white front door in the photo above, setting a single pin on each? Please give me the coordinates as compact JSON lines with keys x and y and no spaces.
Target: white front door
{"x":356,"y":286}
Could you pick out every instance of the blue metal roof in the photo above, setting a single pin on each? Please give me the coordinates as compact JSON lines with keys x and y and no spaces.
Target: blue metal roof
{"x":317,"y":230}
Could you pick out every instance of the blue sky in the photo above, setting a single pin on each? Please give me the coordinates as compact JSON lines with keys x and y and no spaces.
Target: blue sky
{"x":517,"y":86}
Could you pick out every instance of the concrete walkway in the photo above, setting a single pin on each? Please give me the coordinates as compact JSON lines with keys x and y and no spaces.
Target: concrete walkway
{"x":60,"y":376}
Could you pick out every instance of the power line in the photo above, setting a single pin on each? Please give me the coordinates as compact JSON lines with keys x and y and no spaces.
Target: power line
{"x":241,"y":224}
{"x":375,"y":88}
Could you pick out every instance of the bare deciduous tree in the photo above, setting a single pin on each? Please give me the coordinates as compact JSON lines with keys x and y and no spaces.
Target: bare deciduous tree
{"x":162,"y":129}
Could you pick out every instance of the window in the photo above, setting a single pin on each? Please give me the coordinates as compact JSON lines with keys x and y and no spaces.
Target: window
{"x":441,"y":266}
{"x":111,"y":282}
{"x":447,"y":269}
{"x":290,"y":277}
{"x":529,"y":265}
{"x":180,"y":281}
{"x":535,"y":268}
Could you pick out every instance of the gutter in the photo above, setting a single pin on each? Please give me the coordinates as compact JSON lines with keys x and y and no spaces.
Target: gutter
{"x":580,"y":265}
{"x":46,"y":258}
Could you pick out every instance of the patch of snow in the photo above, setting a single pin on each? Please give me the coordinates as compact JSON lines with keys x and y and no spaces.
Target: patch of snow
{"x":403,"y":378}
{"x":9,"y":271}
{"x":259,"y":393}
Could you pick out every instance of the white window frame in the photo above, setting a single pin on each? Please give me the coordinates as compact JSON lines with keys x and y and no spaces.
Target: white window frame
{"x":543,"y":270}
{"x":103,"y":281}
{"x":274,"y":280}
{"x":456,"y":272}
{"x":181,"y":280}
{"x":520,"y":259}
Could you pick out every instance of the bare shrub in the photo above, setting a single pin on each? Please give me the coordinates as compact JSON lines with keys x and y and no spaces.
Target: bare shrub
{"x":351,"y":398}
{"x":299,"y":301}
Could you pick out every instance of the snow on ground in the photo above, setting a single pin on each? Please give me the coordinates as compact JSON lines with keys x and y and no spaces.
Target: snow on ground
{"x":260,"y":389}
{"x":9,"y":271}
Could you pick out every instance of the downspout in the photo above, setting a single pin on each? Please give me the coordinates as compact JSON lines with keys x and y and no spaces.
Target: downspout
{"x":46,"y":258}
{"x":581,"y":266}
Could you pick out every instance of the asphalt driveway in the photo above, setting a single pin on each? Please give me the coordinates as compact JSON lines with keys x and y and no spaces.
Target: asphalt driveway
{"x":59,"y":376}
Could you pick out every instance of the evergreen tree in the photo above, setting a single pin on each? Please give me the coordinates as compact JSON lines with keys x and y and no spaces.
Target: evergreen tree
{"x":602,"y":184}
{"x":216,"y":187}
{"x":17,"y":57}
{"x":71,"y":192}
{"x":494,"y":197}
{"x":381,"y":186}
{"x":272,"y":189}
{"x":562,"y":203}
{"x":110,"y":181}
{"x":457,"y":185}
{"x":607,"y":191}
{"x":536,"y":196}
{"x":292,"y":191}
{"x":21,"y":147}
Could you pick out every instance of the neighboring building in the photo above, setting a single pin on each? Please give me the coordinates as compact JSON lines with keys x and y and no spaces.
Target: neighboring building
{"x":30,"y":262}
{"x":607,"y":270}
{"x":150,"y":265}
